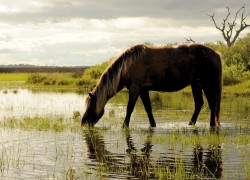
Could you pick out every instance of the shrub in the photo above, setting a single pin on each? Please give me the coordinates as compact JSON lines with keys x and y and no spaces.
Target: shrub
{"x":77,"y":74}
{"x":231,"y":75}
{"x":36,"y":78}
{"x":64,"y":82}
{"x":50,"y":82}
{"x":80,"y":82}
{"x":236,"y":60}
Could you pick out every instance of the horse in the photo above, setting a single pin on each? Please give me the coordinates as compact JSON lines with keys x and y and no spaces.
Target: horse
{"x":143,"y":68}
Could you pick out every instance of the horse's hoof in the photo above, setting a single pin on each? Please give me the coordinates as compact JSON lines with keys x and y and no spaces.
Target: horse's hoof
{"x":125,"y":126}
{"x":152,"y":125}
{"x":191,"y":124}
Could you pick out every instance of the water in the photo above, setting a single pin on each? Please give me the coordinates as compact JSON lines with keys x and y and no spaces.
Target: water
{"x":170,"y":150}
{"x":29,"y":103}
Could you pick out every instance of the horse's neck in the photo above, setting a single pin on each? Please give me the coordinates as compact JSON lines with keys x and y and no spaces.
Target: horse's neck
{"x":109,"y":84}
{"x":103,"y":94}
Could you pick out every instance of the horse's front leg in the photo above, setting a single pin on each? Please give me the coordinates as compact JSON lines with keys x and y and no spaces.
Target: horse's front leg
{"x":147,"y":105}
{"x":133,"y":95}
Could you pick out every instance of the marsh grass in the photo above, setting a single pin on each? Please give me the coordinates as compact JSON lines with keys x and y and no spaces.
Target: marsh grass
{"x":76,"y":116}
{"x":52,"y":80}
{"x":241,"y":89}
{"x":178,"y":141}
{"x":41,"y":124}
{"x":10,"y":156}
{"x":13,"y":76}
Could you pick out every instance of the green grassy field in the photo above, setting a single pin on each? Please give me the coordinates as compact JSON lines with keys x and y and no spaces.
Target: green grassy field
{"x":14,"y":76}
{"x":62,"y":80}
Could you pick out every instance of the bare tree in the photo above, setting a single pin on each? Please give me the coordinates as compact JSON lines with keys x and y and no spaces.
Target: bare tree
{"x":231,"y":30}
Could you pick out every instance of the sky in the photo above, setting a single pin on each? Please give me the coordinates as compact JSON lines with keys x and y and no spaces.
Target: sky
{"x":89,"y":32}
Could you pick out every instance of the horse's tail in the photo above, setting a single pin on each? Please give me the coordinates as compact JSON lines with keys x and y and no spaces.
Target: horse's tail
{"x":219,"y":88}
{"x":209,"y":67}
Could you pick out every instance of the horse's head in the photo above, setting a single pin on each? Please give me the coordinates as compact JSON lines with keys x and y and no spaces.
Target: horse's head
{"x":91,"y":116}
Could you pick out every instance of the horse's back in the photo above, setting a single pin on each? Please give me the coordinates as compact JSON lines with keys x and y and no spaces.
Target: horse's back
{"x":164,"y":68}
{"x":173,"y":68}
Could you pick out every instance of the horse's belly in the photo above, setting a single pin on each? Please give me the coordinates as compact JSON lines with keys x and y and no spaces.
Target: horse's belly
{"x":167,"y":87}
{"x":169,"y":83}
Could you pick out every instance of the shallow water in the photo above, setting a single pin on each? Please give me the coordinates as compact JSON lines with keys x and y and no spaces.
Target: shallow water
{"x":30,"y":103}
{"x":170,"y":150}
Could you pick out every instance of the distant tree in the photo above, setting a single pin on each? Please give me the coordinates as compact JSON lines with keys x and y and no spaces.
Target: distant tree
{"x":231,"y":30}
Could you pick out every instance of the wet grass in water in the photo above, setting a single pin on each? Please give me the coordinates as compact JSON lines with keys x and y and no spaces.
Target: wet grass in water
{"x":133,"y":162}
{"x":44,"y":123}
{"x":175,"y":146}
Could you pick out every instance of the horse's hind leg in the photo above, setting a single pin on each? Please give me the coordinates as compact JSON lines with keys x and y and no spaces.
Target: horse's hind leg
{"x":198,"y":100}
{"x":131,"y":104}
{"x":211,"y":98}
{"x":147,"y":105}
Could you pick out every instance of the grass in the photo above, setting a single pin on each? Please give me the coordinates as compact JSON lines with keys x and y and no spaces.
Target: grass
{"x":52,"y":80}
{"x":41,"y":80}
{"x":14,"y":76}
{"x":138,"y":159}
{"x":238,"y":89}
{"x":43,"y":123}
{"x":10,"y":157}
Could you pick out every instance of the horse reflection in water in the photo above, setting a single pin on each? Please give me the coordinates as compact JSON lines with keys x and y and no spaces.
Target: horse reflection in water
{"x":143,"y":164}
{"x":112,"y":163}
{"x":210,"y":162}
{"x":140,"y":165}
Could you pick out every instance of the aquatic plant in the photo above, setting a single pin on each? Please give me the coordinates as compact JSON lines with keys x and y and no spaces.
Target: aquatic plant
{"x":40,"y":124}
{"x":77,"y":116}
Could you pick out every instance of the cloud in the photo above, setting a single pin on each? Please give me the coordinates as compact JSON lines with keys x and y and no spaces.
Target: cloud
{"x":5,"y":37}
{"x":54,"y":10}
{"x":86,"y":32}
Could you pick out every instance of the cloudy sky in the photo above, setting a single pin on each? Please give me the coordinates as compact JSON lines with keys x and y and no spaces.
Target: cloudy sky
{"x":88,"y":32}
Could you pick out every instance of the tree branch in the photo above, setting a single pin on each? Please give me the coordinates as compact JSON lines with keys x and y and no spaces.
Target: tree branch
{"x":215,"y":24}
{"x":190,"y":40}
{"x":227,"y":31}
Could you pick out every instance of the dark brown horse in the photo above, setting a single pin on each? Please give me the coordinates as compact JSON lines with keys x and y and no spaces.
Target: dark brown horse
{"x":144,"y":68}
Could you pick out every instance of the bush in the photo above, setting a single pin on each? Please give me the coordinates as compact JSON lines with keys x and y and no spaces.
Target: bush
{"x":50,"y":82}
{"x":64,"y":82}
{"x":80,"y":82}
{"x":96,"y":71}
{"x":36,"y":78}
{"x":77,"y":74}
{"x":236,"y":60}
{"x":230,"y":75}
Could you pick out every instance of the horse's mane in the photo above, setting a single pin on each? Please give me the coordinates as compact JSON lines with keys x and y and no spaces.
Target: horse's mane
{"x":108,"y":83}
